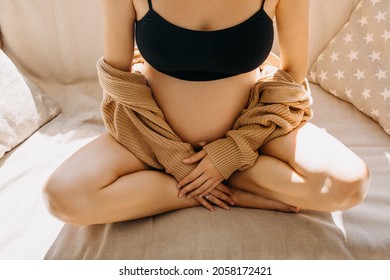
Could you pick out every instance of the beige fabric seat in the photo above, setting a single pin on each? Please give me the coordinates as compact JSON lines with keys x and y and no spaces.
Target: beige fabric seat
{"x":56,"y":44}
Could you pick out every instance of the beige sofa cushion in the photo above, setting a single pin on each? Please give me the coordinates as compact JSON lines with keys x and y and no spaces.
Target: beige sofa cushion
{"x":63,"y":37}
{"x":23,"y":107}
{"x":355,"y":65}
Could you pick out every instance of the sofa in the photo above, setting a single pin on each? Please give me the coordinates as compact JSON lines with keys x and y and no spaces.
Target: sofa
{"x":55,"y":44}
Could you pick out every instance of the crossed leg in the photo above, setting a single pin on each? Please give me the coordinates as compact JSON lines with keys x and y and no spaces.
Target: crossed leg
{"x":103,"y":182}
{"x":307,"y":168}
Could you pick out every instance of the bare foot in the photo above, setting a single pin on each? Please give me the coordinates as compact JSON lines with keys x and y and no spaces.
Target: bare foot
{"x":246,"y":199}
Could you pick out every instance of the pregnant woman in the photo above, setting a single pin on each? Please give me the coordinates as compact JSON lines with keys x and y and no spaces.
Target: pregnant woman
{"x":202,"y":123}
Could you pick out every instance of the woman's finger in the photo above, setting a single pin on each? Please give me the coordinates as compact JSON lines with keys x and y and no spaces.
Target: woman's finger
{"x":209,"y":189}
{"x":196,"y":173}
{"x":201,"y":189}
{"x":195,"y":157}
{"x":205,"y":203}
{"x":193,"y":185}
{"x":217,"y":201}
{"x":222,"y":196}
{"x":223,"y":188}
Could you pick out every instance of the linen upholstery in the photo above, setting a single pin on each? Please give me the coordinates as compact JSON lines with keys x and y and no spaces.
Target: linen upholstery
{"x":64,"y":40}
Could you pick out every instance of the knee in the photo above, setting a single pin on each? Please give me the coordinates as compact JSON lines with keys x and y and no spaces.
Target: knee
{"x":339,"y":194}
{"x":63,"y":200}
{"x":355,"y":191}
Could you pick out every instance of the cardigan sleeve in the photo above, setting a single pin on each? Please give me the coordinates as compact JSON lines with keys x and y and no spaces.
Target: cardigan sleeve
{"x":133,"y":118}
{"x":264,"y":119}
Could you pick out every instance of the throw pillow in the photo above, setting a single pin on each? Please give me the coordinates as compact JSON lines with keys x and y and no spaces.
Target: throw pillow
{"x":355,"y":66}
{"x":23,"y":107}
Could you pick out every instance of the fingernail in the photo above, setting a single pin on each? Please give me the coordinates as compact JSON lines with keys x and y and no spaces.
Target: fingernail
{"x":232,"y":203}
{"x":226,"y":207}
{"x":181,"y":195}
{"x":186,"y":160}
{"x":189,"y":196}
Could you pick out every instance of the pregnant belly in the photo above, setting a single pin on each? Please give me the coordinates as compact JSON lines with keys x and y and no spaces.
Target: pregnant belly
{"x":200,"y":118}
{"x":203,"y":123}
{"x":200,"y":112}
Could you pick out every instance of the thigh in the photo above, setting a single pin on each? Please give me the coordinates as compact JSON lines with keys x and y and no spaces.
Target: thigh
{"x":97,"y":164}
{"x":310,"y":150}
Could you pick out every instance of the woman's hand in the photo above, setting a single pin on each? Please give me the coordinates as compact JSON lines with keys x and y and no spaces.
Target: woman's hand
{"x":202,"y":180}
{"x":220,"y":196}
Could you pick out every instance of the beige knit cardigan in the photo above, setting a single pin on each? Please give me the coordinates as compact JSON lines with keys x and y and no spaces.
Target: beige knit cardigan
{"x":276,"y":106}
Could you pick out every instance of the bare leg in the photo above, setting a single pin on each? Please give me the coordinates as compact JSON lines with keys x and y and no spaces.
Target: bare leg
{"x":103,"y":182}
{"x":307,"y":168}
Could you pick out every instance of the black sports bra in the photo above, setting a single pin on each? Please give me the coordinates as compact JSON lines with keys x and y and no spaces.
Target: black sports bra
{"x":204,"y":55}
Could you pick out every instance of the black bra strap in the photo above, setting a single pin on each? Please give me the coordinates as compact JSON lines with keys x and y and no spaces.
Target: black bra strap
{"x":150,"y":5}
{"x":262,"y":5}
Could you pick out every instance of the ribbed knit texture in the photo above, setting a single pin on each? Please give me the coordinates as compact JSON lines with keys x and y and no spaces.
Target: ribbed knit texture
{"x":277,"y":105}
{"x":133,"y":118}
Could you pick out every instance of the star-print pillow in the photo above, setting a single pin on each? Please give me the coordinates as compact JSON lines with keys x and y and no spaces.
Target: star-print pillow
{"x":355,"y":66}
{"x":23,"y":108}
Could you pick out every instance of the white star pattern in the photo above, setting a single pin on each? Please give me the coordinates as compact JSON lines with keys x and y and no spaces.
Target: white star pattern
{"x":355,"y":64}
{"x":348,"y":93}
{"x":373,"y":2}
{"x":381,"y":16}
{"x":360,"y":74}
{"x":366,"y":93}
{"x":369,"y":38}
{"x":39,"y":97}
{"x":353,"y":55}
{"x":385,"y":94}
{"x":23,"y":109}
{"x":363,"y":21}
{"x":375,"y":113}
{"x":348,"y":38}
{"x":334,"y":56}
{"x":53,"y":112}
{"x":386,"y":35}
{"x":340,"y":75}
{"x":381,"y":74}
{"x":375,"y":56}
{"x":323,"y":75}
{"x":334,"y":92}
{"x":313,"y":76}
